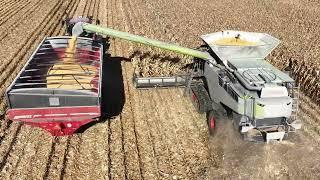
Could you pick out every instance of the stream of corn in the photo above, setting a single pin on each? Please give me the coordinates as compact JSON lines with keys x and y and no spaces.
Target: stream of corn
{"x":69,"y":73}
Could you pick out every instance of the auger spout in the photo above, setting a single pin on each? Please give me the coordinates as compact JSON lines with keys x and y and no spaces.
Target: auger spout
{"x":142,"y":40}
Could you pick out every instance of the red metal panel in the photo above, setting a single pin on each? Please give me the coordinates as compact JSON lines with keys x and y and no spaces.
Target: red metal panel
{"x":60,"y":128}
{"x":58,"y":121}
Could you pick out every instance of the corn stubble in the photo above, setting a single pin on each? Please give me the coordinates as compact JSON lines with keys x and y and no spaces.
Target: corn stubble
{"x":147,"y":64}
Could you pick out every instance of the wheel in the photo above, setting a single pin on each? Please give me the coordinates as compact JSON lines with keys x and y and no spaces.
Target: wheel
{"x":211,"y":121}
{"x":200,"y":98}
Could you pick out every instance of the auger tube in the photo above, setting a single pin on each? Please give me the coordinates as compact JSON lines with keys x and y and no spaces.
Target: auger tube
{"x":146,"y":41}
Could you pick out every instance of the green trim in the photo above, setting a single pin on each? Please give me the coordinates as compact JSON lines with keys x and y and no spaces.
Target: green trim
{"x":259,"y":111}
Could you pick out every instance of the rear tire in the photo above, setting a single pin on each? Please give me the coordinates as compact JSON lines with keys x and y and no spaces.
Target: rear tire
{"x":211,"y":121}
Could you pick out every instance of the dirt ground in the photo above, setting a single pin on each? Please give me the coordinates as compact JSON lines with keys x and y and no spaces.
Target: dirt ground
{"x":157,"y":134}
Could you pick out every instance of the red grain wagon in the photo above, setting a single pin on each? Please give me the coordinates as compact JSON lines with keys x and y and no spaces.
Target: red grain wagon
{"x":55,"y":94}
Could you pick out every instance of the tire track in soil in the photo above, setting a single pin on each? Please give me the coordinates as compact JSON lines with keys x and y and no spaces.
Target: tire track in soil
{"x":86,"y":9}
{"x":16,"y":21}
{"x":85,"y":151}
{"x":41,"y":149}
{"x":73,"y":153}
{"x":89,"y":151}
{"x":164,"y":160}
{"x":309,"y":127}
{"x":132,"y":161}
{"x":133,"y":152}
{"x":26,"y":53}
{"x":86,"y":158}
{"x":116,"y":157}
{"x":21,"y":151}
{"x":3,"y":3}
{"x":117,"y":167}
{"x":74,"y":144}
{"x":53,"y":26}
{"x":309,"y":103}
{"x":13,"y":67}
{"x":150,"y":162}
{"x":195,"y":154}
{"x":8,"y":5}
{"x":61,"y":165}
{"x":5,"y":124}
{"x":56,"y":158}
{"x":70,"y":11}
{"x":31,"y":44}
{"x":80,"y":8}
{"x":131,"y":149}
{"x":177,"y":154}
{"x":27,"y":30}
{"x":110,"y":23}
{"x":147,"y":149}
{"x":194,"y":142}
{"x":146,"y":160}
{"x":36,"y":154}
{"x":8,"y":143}
{"x":13,"y":11}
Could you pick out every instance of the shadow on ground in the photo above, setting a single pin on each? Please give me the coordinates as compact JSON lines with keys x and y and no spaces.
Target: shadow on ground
{"x":112,"y":88}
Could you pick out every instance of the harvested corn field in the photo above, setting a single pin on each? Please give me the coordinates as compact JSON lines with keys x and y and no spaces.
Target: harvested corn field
{"x":149,"y":64}
{"x":157,"y":133}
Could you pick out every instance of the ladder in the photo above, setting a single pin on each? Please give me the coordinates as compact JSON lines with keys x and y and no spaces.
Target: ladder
{"x":294,"y":93}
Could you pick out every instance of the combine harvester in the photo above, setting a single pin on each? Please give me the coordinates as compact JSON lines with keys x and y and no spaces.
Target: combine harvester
{"x":230,"y":73}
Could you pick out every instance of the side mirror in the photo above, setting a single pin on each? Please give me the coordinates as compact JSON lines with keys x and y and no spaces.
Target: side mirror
{"x":97,"y":22}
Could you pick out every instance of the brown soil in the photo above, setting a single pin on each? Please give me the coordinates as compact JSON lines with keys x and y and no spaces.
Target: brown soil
{"x":158,"y":134}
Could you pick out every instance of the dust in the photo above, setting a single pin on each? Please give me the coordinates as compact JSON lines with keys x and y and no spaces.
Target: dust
{"x":233,"y":157}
